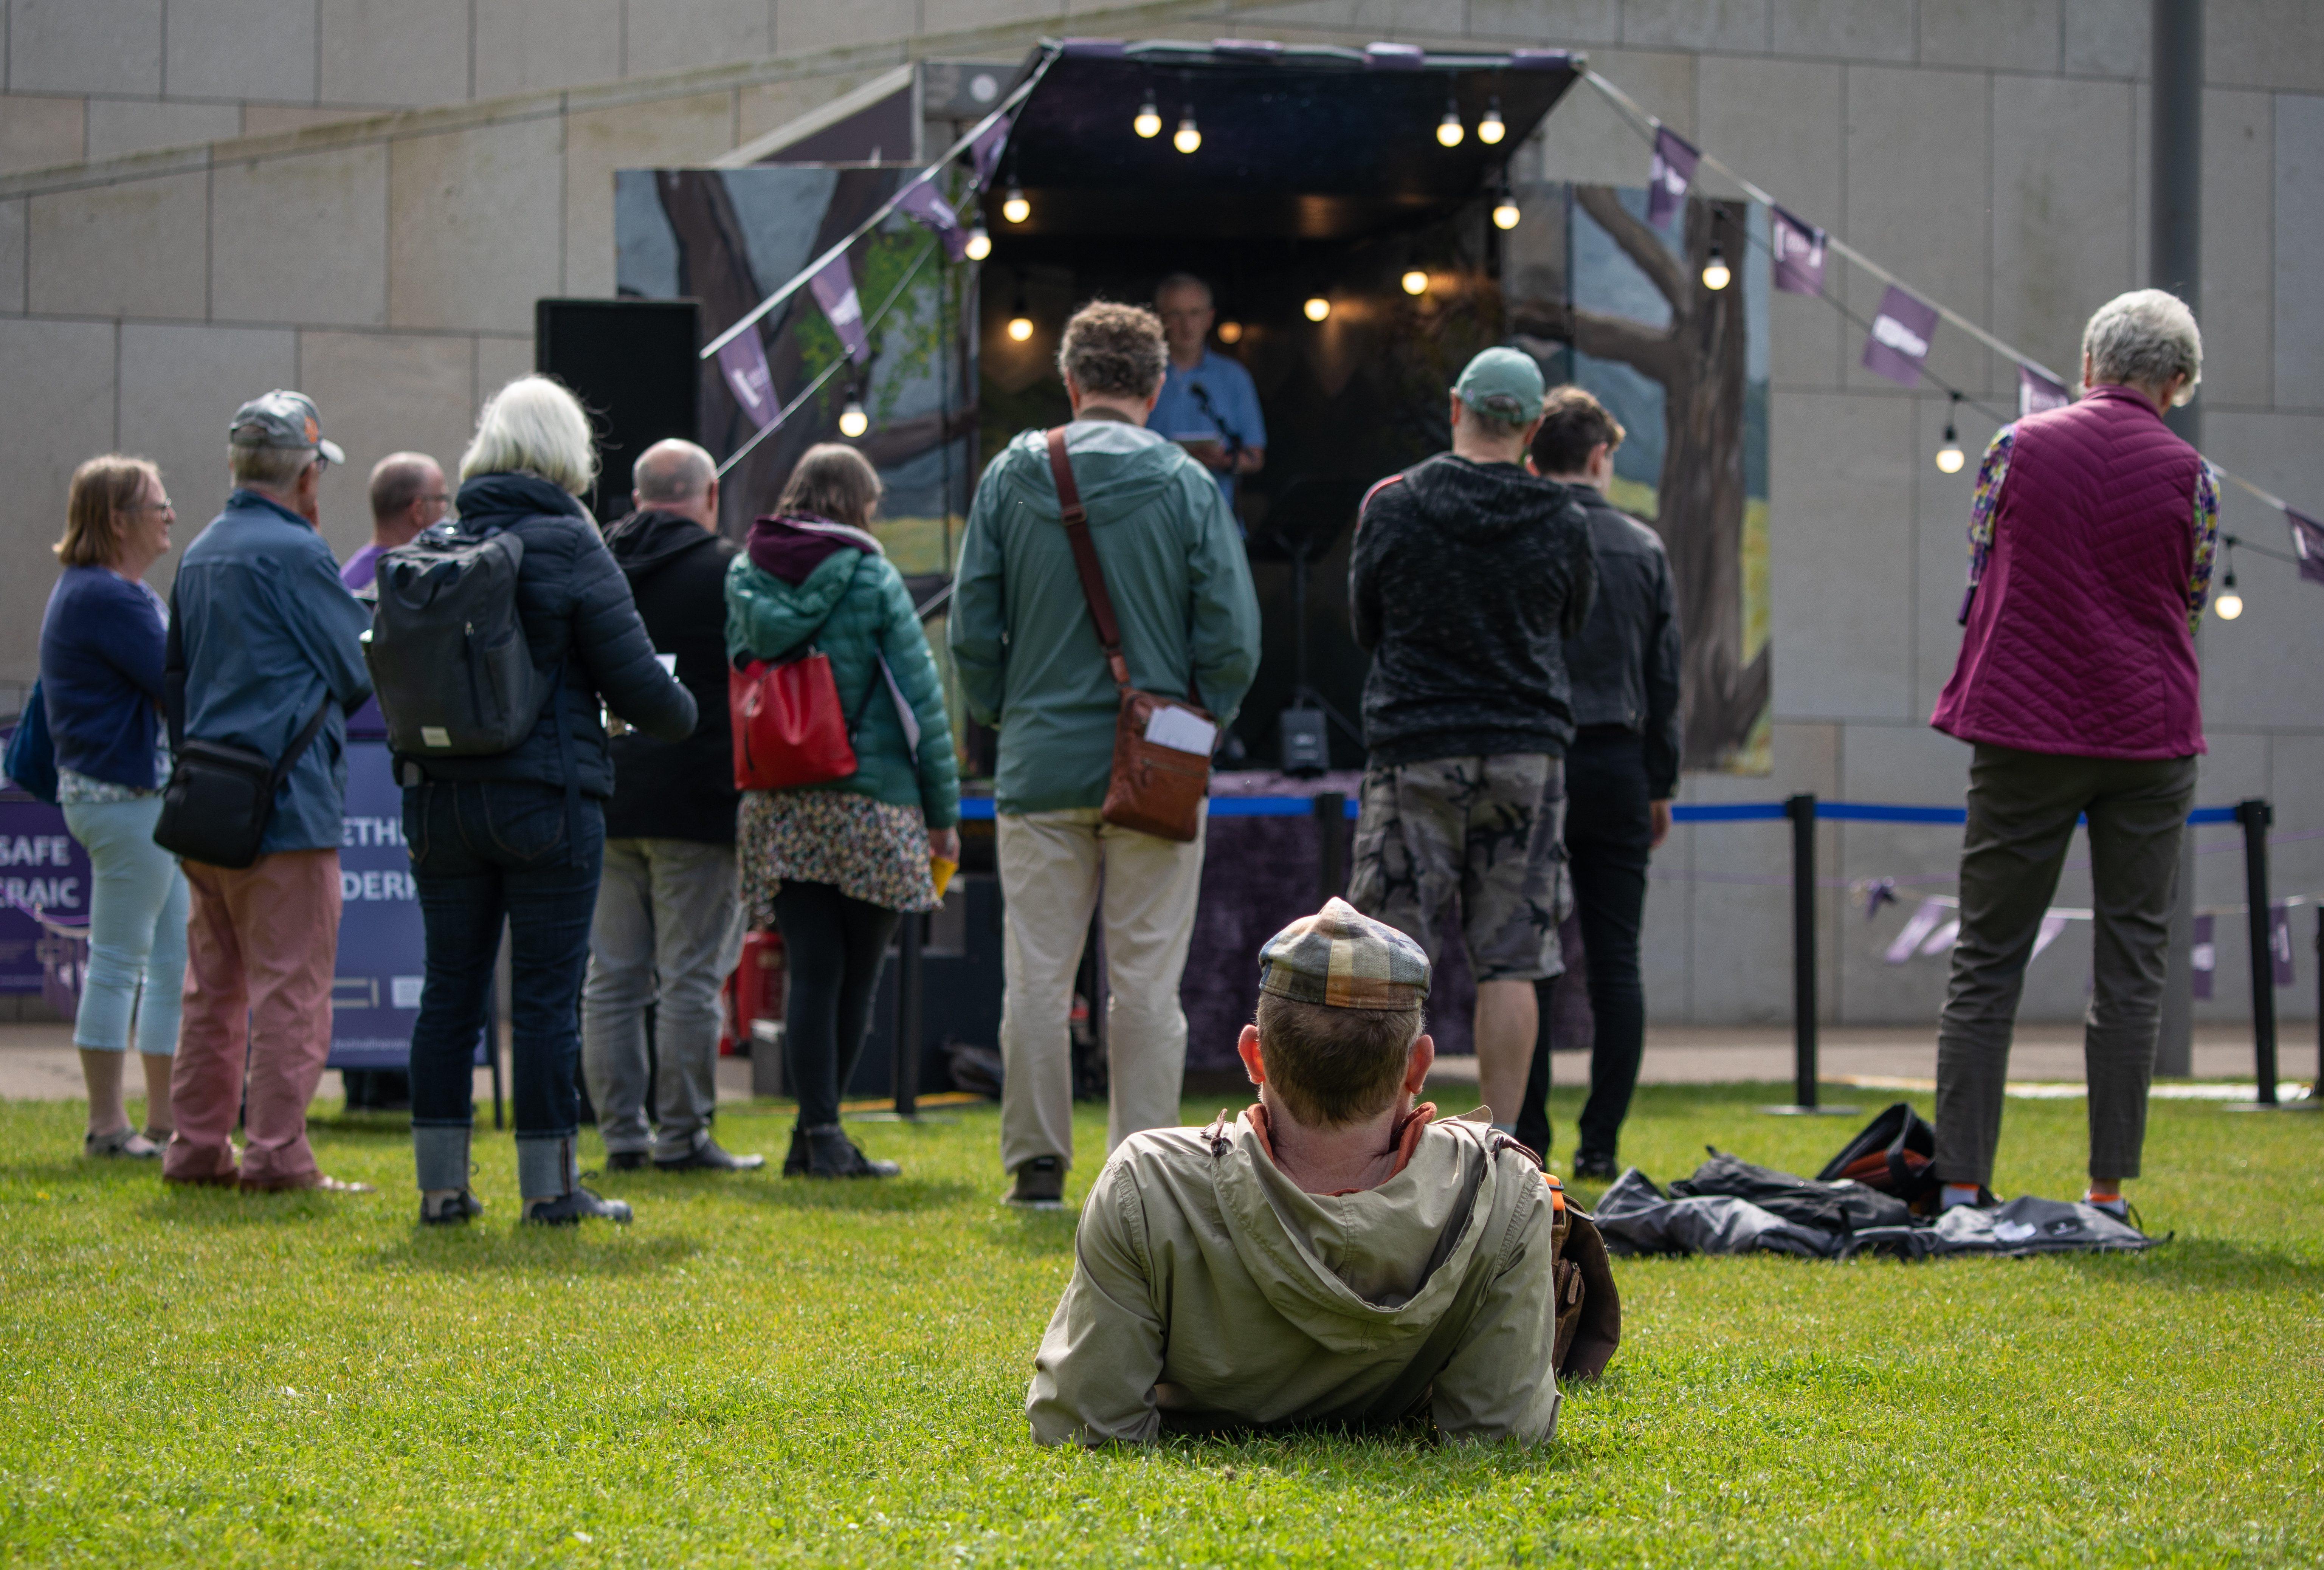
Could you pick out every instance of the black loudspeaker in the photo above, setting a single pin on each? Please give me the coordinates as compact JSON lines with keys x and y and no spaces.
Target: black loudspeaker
{"x":635,"y":366}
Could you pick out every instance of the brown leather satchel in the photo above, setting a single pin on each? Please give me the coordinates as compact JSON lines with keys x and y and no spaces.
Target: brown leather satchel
{"x":1154,"y":788}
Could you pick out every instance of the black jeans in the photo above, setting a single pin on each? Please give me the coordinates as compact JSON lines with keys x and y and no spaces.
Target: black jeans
{"x":1608,"y":837}
{"x":482,"y":851}
{"x":833,"y":949}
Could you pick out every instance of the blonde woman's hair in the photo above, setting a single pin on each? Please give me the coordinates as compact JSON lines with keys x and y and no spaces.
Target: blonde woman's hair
{"x":102,"y":490}
{"x":534,"y":425}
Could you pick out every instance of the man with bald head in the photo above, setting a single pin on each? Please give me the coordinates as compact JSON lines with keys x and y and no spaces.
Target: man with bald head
{"x":669,"y":922}
{"x":408,"y":494}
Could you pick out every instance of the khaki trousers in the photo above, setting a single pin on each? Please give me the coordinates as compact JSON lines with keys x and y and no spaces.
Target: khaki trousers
{"x":1052,"y":867}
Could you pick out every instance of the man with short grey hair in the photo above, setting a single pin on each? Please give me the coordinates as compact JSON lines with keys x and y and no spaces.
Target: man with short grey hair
{"x":669,"y":925}
{"x":1208,"y":405}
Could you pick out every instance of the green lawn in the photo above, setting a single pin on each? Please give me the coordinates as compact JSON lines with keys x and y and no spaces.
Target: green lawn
{"x":761,"y":1370}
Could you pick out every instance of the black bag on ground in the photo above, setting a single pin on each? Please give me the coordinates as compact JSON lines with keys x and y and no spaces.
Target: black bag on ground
{"x":447,"y":650}
{"x":1840,"y":1206}
{"x":1635,"y":1217}
{"x":1895,"y":1153}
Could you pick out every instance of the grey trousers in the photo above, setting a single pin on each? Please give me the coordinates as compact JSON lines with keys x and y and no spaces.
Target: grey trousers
{"x":2022,"y":808}
{"x":668,"y":928}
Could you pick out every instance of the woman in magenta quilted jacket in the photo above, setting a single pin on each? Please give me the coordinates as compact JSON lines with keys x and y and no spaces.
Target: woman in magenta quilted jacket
{"x":2090,"y":547}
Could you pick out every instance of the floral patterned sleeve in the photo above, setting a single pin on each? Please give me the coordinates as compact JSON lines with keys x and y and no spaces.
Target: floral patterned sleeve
{"x":1989,"y":475}
{"x":2207,"y":543}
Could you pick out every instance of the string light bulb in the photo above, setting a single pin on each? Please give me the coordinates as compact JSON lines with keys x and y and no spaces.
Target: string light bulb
{"x":979,"y":243}
{"x":1188,"y":137}
{"x":1716,"y":274}
{"x":852,"y":422}
{"x":1449,"y":130}
{"x":1015,"y":207}
{"x":1493,"y":127}
{"x":1505,"y":211}
{"x":1021,"y":320}
{"x":1415,"y":282}
{"x":1230,"y":332}
{"x":1949,"y":456}
{"x":1148,"y":123}
{"x":1317,"y":308}
{"x":2229,"y":605}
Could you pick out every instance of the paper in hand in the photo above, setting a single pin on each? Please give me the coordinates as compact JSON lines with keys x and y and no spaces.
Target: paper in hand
{"x":1181,"y":730}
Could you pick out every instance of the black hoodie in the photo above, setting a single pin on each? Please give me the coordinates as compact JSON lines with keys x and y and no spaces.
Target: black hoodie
{"x":684,"y":790}
{"x":1464,"y":581}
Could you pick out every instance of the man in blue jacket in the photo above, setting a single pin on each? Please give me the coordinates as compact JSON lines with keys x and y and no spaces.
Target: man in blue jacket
{"x":270,"y":635}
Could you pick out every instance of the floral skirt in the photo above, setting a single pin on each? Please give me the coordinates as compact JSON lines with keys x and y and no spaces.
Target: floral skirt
{"x":868,"y":850}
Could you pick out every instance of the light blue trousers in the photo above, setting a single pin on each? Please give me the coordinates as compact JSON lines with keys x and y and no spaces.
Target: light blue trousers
{"x":136,"y":928}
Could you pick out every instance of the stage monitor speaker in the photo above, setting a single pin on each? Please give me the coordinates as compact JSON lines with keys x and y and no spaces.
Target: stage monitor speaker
{"x":635,"y":366}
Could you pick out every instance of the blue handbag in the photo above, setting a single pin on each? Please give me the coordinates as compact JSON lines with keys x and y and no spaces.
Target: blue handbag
{"x":30,"y":760}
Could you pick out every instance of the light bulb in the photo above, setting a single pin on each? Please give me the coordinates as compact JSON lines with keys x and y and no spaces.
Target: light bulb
{"x":1230,"y":332}
{"x":1415,"y":282}
{"x":1447,"y":130}
{"x":852,"y":422}
{"x":1148,"y":123}
{"x":1020,"y":328}
{"x":1317,"y":308}
{"x":1949,"y":456}
{"x":1506,"y":214}
{"x":1491,"y":128}
{"x":2229,"y":605}
{"x":1189,"y":135}
{"x":1716,"y":274}
{"x":978,"y":246}
{"x":1015,"y":207}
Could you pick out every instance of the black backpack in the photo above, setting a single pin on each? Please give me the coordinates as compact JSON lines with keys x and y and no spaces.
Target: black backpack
{"x":447,"y":650}
{"x":1895,"y":1153}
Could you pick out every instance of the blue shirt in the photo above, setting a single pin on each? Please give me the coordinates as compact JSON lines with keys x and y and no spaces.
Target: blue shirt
{"x":1234,"y":408}
{"x":270,"y":633}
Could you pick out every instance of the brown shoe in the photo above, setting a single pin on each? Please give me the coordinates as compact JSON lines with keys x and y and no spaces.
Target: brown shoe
{"x":215,"y":1180}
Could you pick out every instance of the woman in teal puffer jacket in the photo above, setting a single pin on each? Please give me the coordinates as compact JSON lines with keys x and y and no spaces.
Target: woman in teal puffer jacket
{"x":835,"y":867}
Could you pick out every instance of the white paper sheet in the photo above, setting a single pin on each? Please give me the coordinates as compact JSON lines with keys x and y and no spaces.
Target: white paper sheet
{"x":1181,"y":730}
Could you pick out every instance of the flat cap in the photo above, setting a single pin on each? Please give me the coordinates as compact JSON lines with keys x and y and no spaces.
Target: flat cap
{"x":1344,"y":959}
{"x":282,"y":419}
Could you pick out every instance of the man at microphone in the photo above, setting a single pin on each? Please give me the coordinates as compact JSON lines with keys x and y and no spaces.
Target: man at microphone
{"x":1208,"y":404}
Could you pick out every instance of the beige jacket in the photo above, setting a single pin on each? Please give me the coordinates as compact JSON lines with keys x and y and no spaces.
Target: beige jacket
{"x":1207,"y":1286}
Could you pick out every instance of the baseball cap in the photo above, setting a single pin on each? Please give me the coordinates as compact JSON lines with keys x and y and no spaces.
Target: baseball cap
{"x":1344,"y":959}
{"x":282,"y":419}
{"x":1504,"y":382}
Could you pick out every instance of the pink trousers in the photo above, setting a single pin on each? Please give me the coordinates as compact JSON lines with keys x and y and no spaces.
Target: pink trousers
{"x":260,"y":945}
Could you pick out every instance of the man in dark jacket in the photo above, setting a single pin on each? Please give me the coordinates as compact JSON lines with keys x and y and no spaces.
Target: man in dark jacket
{"x":668,"y":923}
{"x":1620,"y":771}
{"x":1468,"y":574}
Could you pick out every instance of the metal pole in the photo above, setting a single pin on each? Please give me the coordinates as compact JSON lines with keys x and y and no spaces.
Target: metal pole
{"x":2255,"y":816}
{"x":1801,"y":810}
{"x":1332,"y":842}
{"x":904,"y":1064}
{"x":2175,"y":257}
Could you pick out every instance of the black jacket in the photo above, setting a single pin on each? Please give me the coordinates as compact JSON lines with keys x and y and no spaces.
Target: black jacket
{"x":1464,"y":581}
{"x":1625,"y":665}
{"x":678,"y":789}
{"x":575,"y":608}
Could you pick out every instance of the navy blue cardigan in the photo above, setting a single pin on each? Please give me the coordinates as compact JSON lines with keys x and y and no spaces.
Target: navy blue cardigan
{"x":101,"y":646}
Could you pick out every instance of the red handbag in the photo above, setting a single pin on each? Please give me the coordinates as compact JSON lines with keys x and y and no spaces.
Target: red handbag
{"x":789,"y":729}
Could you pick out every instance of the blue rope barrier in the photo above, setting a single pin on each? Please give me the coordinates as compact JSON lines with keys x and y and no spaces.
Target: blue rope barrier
{"x":978,"y":810}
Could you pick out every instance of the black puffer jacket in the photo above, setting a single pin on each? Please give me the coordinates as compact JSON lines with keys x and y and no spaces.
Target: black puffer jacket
{"x":1464,"y":581}
{"x":576,"y":608}
{"x":683,"y":789}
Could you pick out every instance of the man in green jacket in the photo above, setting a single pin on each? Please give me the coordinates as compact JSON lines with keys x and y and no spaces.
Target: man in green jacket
{"x":1332,"y":1256}
{"x":1030,"y":665}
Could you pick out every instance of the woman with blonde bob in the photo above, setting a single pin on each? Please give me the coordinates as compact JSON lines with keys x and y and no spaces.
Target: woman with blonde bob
{"x":520,"y":836}
{"x":101,"y":658}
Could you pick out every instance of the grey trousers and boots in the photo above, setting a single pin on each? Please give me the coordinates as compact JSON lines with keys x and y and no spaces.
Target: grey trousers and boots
{"x":668,"y":928}
{"x":2022,"y":808}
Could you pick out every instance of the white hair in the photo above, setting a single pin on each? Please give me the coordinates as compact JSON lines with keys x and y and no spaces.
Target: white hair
{"x":533,"y":424}
{"x":2145,"y":339}
{"x":672,"y":471}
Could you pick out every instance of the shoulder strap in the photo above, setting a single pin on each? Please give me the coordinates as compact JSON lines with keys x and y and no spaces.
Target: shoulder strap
{"x":300,"y":743}
{"x":173,"y":678}
{"x":1070,"y":512}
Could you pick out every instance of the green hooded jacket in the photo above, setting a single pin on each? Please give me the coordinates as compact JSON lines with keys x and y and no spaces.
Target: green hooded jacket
{"x":859,"y":600}
{"x":1023,"y":645}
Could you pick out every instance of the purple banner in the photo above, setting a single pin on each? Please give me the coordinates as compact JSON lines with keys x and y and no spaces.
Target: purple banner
{"x":743,"y":361}
{"x":985,"y":153}
{"x":1799,"y":253}
{"x":1671,"y":172}
{"x":2279,"y":944}
{"x":2203,"y":957}
{"x":834,"y":291}
{"x":2307,"y":544}
{"x":922,"y":201}
{"x":1899,"y":345}
{"x":2038,"y":394}
{"x":42,"y":868}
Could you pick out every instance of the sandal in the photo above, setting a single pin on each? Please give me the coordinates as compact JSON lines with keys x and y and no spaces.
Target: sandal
{"x":123,"y":1141}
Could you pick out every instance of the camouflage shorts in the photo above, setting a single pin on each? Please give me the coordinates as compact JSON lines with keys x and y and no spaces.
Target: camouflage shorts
{"x":1490,"y":830}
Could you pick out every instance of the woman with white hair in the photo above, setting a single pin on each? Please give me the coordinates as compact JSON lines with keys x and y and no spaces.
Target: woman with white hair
{"x":2090,"y":546}
{"x":520,"y":836}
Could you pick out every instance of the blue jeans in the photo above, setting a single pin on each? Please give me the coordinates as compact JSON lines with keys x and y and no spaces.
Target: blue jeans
{"x":136,"y":928}
{"x":482,"y":851}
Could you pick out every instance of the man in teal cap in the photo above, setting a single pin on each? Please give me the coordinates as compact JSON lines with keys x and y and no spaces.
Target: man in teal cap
{"x":1468,"y":574}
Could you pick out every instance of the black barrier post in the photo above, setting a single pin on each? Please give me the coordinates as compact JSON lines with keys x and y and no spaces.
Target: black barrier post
{"x":1802,"y":810}
{"x":2254,"y":815}
{"x":1332,"y":842}
{"x":904,"y":1063}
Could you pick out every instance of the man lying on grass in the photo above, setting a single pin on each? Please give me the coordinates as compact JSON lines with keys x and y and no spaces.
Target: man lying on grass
{"x":1333,"y":1256}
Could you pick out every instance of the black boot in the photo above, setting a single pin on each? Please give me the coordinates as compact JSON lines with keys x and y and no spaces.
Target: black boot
{"x":830,"y":1153}
{"x":795,"y":1163}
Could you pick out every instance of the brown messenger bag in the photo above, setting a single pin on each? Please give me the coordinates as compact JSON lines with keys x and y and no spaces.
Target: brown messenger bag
{"x":1154,"y":788}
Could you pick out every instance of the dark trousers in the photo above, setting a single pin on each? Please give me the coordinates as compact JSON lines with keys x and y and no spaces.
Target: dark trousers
{"x":1608,"y":837}
{"x":833,"y":949}
{"x":2022,"y":808}
{"x":482,"y":852}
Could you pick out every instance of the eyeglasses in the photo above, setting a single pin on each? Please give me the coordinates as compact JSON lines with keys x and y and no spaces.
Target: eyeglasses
{"x":163,"y":505}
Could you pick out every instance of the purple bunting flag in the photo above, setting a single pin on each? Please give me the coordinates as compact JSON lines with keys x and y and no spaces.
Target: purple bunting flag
{"x":743,"y":361}
{"x":2203,"y":955}
{"x":1899,"y":345}
{"x":2307,"y":544}
{"x":2052,"y":924}
{"x":1918,"y":926}
{"x":985,"y":153}
{"x":1799,"y":253}
{"x":1672,"y":171}
{"x":2279,"y":944}
{"x":2038,"y":394}
{"x":923,"y":201}
{"x":1879,"y":891}
{"x":834,"y":291}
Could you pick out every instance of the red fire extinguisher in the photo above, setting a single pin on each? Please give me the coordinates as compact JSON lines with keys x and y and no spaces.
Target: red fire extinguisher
{"x":754,"y":992}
